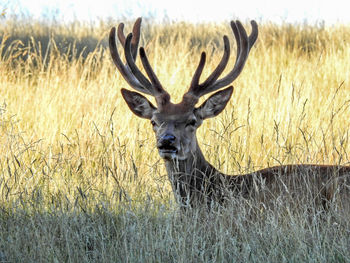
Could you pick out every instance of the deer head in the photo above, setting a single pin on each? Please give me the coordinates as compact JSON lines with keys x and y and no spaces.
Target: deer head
{"x":175,"y":125}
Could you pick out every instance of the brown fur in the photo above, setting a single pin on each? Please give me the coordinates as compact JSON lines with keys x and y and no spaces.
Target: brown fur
{"x":195,"y":182}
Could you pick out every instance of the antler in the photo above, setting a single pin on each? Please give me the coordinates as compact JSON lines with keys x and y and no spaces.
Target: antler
{"x":152,"y":85}
{"x":130,"y":71}
{"x":244,"y":44}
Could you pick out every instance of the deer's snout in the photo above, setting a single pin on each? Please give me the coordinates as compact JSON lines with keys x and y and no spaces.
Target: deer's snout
{"x":166,"y":146}
{"x":166,"y":140}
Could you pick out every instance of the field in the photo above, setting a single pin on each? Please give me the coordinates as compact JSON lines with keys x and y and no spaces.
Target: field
{"x":81,"y":179}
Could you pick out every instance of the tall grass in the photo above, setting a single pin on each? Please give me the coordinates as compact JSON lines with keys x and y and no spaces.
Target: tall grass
{"x":81,"y":180}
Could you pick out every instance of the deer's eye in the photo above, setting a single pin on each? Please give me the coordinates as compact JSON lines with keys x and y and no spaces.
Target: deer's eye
{"x":153,"y":123}
{"x":191,"y":123}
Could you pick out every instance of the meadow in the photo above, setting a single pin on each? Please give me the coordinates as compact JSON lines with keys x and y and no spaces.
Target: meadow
{"x":80,"y":176}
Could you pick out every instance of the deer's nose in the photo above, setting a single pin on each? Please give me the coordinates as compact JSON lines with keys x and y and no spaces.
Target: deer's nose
{"x":167,"y":139}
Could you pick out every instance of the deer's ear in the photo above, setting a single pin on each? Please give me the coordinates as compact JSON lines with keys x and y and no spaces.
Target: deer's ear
{"x":138,"y":104}
{"x":215,"y":103}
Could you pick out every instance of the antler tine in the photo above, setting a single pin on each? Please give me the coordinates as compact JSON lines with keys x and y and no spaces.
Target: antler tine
{"x":221,"y":66}
{"x":136,"y":36}
{"x":244,"y":44}
{"x":121,"y":35}
{"x":240,"y":61}
{"x":254,"y":34}
{"x":198,"y":72}
{"x":161,"y":95}
{"x":195,"y":87}
{"x":124,"y":71}
{"x":136,"y":32}
{"x":152,"y":76}
{"x":134,"y":69}
{"x":155,"y":88}
{"x":238,"y":40}
{"x":131,"y":73}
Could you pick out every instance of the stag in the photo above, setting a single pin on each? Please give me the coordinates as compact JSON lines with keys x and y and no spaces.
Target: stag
{"x":194,"y":180}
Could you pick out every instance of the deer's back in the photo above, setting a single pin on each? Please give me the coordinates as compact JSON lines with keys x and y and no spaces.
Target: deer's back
{"x":301,"y":183}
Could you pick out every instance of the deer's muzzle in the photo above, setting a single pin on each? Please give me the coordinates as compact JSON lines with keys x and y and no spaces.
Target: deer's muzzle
{"x":166,"y":146}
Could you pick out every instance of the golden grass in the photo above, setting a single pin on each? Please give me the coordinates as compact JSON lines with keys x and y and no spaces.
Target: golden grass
{"x":68,"y":142}
{"x":295,"y":79}
{"x":289,"y":105}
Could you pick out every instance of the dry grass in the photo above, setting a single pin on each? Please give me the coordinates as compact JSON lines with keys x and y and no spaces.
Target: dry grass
{"x":81,"y":180}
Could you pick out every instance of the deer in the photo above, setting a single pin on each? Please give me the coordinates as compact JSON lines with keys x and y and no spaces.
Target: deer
{"x":194,"y":181}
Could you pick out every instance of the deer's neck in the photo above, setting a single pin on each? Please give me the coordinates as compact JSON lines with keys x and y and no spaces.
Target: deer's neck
{"x":194,"y":179}
{"x":194,"y":165}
